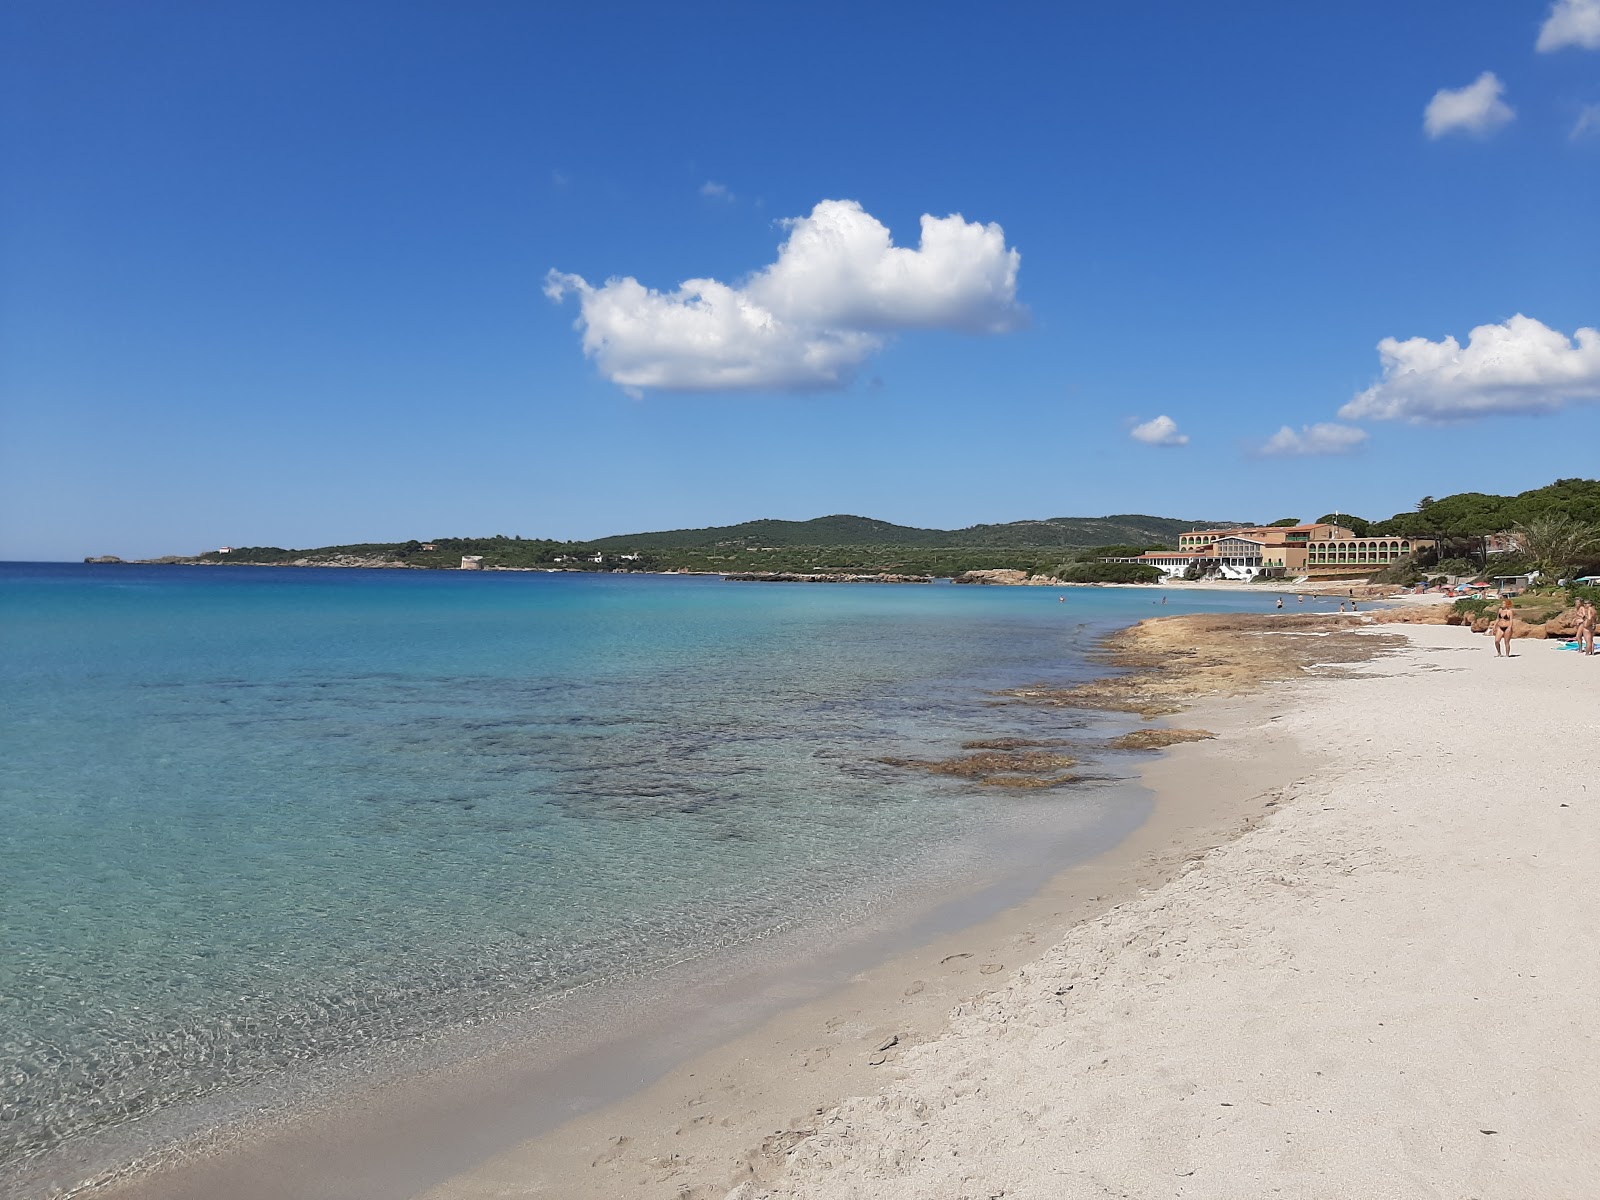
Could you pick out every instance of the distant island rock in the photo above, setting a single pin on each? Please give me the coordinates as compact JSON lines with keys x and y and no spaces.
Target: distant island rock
{"x":104,"y":558}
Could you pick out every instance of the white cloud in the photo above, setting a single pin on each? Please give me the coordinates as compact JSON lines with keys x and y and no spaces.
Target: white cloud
{"x":1587,"y":124}
{"x":1323,"y":438}
{"x":1522,"y":366}
{"x":1476,"y":108}
{"x":716,"y":191}
{"x":838,"y":290}
{"x":1160,"y":431}
{"x":1571,"y":23}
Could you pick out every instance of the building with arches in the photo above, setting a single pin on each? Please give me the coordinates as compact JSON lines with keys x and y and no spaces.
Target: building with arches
{"x":1246,"y":552}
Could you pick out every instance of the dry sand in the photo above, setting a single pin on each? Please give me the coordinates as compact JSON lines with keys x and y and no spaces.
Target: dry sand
{"x":1386,"y":989}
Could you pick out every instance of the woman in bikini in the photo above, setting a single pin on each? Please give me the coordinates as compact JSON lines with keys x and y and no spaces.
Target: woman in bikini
{"x":1502,"y":626}
{"x":1586,"y":623}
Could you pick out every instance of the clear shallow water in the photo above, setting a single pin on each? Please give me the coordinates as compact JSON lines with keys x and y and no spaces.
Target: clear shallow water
{"x":255,"y":818}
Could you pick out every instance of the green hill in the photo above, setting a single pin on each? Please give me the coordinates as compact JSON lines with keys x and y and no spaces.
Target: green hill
{"x":847,"y":530}
{"x":843,"y":542}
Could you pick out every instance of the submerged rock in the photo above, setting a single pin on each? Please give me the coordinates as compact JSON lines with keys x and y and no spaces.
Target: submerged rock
{"x":1156,"y":739}
{"x":998,"y":768}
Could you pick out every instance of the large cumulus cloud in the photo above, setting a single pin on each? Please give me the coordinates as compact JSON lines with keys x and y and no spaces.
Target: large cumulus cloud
{"x":1520,"y":366}
{"x":839,"y":289}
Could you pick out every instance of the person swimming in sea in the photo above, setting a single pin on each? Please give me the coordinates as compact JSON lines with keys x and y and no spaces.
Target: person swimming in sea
{"x":1280,"y":601}
{"x":1503,"y":625}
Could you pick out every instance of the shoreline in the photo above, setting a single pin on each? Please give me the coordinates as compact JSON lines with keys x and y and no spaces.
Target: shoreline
{"x":816,"y":1044}
{"x":728,"y":1115}
{"x":1381,"y":989}
{"x":1360,"y":586}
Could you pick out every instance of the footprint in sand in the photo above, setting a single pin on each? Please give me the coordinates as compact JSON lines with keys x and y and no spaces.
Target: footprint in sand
{"x":916,"y":986}
{"x":952,"y":957}
{"x":991,"y":968}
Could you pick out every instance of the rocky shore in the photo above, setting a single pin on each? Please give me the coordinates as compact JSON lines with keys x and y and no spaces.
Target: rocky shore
{"x":1560,"y":624}
{"x":1008,"y":578}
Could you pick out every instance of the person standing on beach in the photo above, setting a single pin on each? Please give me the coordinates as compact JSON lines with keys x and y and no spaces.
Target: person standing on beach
{"x":1502,"y":626}
{"x":1586,"y":623}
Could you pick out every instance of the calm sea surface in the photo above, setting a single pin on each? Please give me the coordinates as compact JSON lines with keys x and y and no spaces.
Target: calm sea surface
{"x":257,"y":818}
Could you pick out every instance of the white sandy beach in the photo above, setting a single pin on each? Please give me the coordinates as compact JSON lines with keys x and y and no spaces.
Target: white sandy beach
{"x":1387,"y":989}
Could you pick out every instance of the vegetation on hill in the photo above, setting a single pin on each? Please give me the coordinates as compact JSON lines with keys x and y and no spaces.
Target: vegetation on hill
{"x":1104,"y":572}
{"x":826,"y":545}
{"x":1356,"y":525}
{"x":1558,"y":528}
{"x":844,"y":530}
{"x":1477,"y":514}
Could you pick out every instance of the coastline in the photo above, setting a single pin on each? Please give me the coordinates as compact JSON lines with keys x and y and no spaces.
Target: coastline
{"x":760,"y":1108}
{"x":474,"y":1100}
{"x":1381,"y":989}
{"x":731,"y":1116}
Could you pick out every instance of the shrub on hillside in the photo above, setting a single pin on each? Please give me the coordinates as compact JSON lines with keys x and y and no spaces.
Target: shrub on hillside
{"x":1100,"y":572}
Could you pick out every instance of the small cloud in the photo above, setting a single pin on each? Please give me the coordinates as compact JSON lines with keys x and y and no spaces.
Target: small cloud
{"x":838,"y":291}
{"x":1571,"y":23}
{"x":1322,"y":438}
{"x":1522,"y":366}
{"x":1588,"y":123}
{"x":560,"y":178}
{"x":1160,"y":431}
{"x":1476,"y":108}
{"x":713,"y":190}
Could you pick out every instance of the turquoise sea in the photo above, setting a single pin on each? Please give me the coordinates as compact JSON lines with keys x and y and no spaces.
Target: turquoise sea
{"x":256,"y":818}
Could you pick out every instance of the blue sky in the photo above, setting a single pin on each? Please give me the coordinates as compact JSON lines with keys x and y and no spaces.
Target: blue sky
{"x":276,"y":273}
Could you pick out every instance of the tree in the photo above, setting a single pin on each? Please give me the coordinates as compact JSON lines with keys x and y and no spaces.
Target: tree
{"x":1356,"y":525}
{"x":1557,"y":544}
{"x":1284,"y":523}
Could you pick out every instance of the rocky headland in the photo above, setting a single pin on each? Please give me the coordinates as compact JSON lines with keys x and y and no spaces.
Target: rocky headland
{"x":1008,"y":578}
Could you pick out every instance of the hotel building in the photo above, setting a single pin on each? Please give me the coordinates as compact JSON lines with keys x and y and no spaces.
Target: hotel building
{"x":1248,"y":551}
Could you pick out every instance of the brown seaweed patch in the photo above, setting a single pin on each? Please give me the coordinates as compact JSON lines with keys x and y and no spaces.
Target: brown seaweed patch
{"x":1169,"y":662}
{"x":1021,"y":768}
{"x":1012,"y":743}
{"x":1104,"y":695}
{"x":1155,"y":739}
{"x":1028,"y":781}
